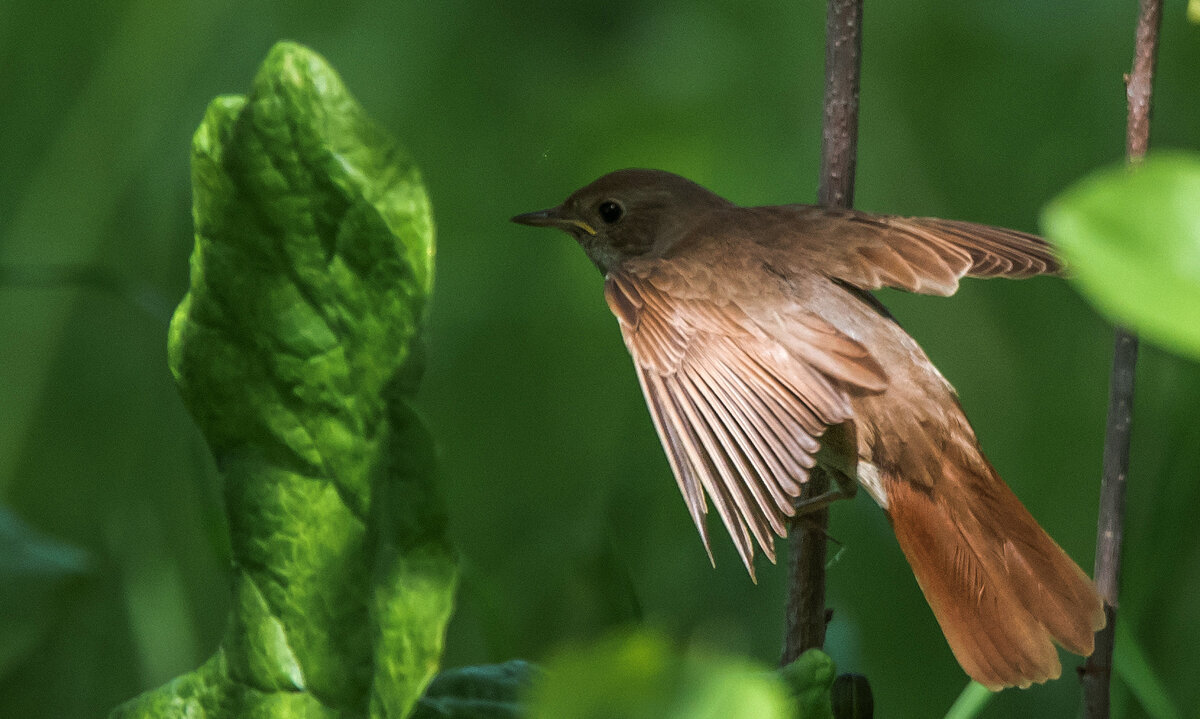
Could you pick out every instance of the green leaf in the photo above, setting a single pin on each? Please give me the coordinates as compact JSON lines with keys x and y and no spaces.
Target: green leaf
{"x":1134,"y":669}
{"x":34,"y":571}
{"x":639,"y":676}
{"x":810,"y":679}
{"x":484,"y":692}
{"x":1131,"y":238}
{"x":297,"y":350}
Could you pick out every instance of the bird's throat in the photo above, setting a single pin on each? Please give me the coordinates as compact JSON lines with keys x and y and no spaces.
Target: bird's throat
{"x":603,"y":255}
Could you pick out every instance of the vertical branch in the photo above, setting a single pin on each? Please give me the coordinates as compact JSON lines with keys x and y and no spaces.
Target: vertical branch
{"x":839,"y":127}
{"x":806,"y":613}
{"x":807,"y":616}
{"x":1140,"y":82}
{"x":1096,"y":673}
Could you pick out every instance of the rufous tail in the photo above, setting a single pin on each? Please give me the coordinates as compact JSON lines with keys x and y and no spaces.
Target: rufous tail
{"x":1002,"y":590}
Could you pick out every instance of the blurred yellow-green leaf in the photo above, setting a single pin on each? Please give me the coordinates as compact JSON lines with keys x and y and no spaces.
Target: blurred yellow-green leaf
{"x":1131,"y":237}
{"x":641,"y":676}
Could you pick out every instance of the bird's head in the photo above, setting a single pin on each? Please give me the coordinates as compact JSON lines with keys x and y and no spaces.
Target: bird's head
{"x":628,"y":213}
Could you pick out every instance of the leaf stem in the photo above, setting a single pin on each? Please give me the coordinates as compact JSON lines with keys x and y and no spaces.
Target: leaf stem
{"x":970,"y":702}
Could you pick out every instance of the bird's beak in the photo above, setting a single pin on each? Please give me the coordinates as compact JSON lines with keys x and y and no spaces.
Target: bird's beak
{"x":554,"y":217}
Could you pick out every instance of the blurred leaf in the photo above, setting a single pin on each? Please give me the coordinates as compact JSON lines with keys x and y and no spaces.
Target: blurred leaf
{"x":1134,"y":669}
{"x":810,"y":679}
{"x":33,"y":571}
{"x":28,"y":556}
{"x":1131,"y":237}
{"x":492,"y":691}
{"x":639,"y":676}
{"x":297,"y":350}
{"x":1193,"y":11}
{"x":973,"y":698}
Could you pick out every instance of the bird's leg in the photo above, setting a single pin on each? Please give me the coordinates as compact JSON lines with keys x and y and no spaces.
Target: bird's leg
{"x":837,"y":458}
{"x":847,"y":488}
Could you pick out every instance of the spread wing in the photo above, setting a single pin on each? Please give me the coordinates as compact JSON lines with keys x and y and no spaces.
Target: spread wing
{"x":918,"y":254}
{"x":739,"y":413}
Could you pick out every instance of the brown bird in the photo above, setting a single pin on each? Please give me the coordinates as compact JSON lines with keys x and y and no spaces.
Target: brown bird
{"x":762,"y":354}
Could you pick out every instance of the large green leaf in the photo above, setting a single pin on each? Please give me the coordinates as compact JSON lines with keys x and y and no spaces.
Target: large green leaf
{"x":1131,"y":237}
{"x":297,"y":350}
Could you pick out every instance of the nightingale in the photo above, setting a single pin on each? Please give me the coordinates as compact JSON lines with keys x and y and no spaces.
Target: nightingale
{"x":762,"y":354}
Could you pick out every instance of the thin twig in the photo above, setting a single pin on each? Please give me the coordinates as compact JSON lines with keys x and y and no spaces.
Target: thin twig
{"x":806,"y":613}
{"x":806,"y":618}
{"x":839,"y":129}
{"x":1096,"y":673}
{"x":1140,"y":83}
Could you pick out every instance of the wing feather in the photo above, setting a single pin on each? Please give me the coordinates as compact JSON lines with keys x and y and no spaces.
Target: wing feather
{"x":919,"y":254}
{"x":702,"y":465}
{"x":755,"y":463}
{"x":685,"y":474}
{"x":717,"y":445}
{"x":739,"y":413}
{"x":782,"y":473}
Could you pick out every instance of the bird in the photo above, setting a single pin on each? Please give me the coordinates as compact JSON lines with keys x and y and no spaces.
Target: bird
{"x":762,"y":354}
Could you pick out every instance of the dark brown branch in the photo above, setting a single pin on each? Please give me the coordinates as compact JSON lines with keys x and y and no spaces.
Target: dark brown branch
{"x":806,"y":613}
{"x":1096,"y":673}
{"x":839,"y":131}
{"x":806,"y":618}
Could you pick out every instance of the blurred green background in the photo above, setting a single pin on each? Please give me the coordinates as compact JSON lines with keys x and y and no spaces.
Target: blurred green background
{"x":562,"y":504}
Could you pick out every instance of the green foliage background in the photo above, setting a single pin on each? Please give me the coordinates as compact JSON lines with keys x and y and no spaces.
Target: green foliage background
{"x":561,"y":502}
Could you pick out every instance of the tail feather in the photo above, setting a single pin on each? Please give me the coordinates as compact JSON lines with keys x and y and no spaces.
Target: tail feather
{"x":1001,"y":589}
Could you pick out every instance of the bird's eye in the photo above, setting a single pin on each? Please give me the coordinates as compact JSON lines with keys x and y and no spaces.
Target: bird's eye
{"x":610,"y":211}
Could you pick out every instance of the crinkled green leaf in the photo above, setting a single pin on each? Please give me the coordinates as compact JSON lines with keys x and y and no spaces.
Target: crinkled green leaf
{"x":1131,"y":237}
{"x":297,"y":350}
{"x":640,"y":676}
{"x":492,"y":691}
